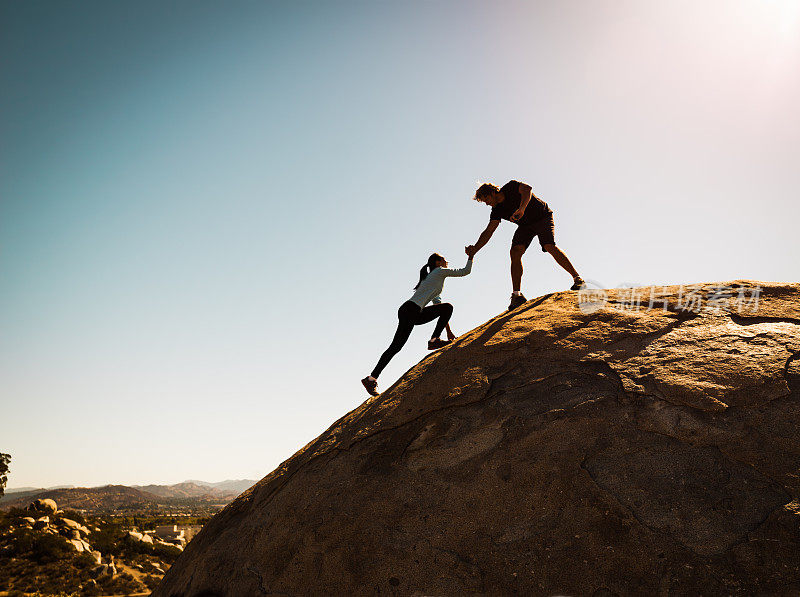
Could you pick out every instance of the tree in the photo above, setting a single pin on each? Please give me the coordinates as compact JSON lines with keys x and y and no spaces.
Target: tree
{"x":4,"y":460}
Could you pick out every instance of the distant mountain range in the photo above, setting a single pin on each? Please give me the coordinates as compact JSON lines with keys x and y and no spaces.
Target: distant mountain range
{"x":110,"y":498}
{"x":236,"y":486}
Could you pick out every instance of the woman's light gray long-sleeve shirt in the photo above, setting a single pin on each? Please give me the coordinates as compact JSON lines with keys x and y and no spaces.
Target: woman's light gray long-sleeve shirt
{"x":431,"y":287}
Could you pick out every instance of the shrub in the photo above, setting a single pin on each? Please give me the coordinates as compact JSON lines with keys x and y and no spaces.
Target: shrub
{"x":167,"y":553}
{"x":107,"y":541}
{"x":22,"y":541}
{"x":74,"y":515}
{"x":84,"y":561}
{"x":50,"y":548}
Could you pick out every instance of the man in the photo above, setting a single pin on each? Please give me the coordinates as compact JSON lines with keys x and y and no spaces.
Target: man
{"x":515,"y":202}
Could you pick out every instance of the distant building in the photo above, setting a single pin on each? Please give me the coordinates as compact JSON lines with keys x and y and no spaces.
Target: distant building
{"x":170,"y":533}
{"x":190,"y":530}
{"x":173,"y":533}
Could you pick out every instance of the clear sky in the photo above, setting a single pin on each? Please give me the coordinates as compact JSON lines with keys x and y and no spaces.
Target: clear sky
{"x":210,"y":211}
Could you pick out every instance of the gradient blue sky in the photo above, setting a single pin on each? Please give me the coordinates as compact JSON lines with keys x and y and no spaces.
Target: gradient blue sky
{"x":210,"y":211}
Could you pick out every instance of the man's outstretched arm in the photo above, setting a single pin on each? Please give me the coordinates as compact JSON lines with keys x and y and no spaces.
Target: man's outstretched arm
{"x":484,"y":237}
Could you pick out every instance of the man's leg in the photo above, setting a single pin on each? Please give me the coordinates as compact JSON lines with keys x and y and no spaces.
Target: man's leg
{"x":546,"y":231}
{"x":561,"y":258}
{"x":517,"y":251}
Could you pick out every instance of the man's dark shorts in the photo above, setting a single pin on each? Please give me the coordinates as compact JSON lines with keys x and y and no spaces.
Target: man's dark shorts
{"x":544,"y":228}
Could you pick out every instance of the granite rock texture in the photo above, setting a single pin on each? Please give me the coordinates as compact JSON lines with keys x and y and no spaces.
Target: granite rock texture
{"x":644,"y":445}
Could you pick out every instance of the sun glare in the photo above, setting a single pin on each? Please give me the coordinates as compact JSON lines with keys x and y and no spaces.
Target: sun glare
{"x":782,"y":15}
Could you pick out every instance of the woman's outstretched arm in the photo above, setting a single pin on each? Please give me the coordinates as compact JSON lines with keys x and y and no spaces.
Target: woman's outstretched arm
{"x":459,"y":272}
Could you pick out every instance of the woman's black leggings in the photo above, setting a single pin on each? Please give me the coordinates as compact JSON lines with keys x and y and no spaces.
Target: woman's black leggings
{"x":410,"y":314}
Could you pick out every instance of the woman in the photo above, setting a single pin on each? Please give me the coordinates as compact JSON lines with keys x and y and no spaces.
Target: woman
{"x":414,"y":312}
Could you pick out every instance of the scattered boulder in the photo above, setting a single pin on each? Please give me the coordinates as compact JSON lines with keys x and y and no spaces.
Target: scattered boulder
{"x":75,"y":526}
{"x":28,"y":521}
{"x":68,"y":522}
{"x":147,"y":539}
{"x":168,"y":544}
{"x":77,"y":544}
{"x":98,"y":557}
{"x":41,"y":523}
{"x":134,"y":535}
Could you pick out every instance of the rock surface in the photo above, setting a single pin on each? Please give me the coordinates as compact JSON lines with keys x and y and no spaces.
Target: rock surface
{"x":552,"y":450}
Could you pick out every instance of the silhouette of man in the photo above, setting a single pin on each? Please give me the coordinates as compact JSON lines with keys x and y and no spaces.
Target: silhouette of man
{"x":515,"y":202}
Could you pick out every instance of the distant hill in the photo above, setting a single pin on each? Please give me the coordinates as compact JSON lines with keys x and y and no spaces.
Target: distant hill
{"x":187,"y":489}
{"x":235,"y":486}
{"x":19,"y":492}
{"x":23,"y":489}
{"x":96,"y":499}
{"x":113,"y":498}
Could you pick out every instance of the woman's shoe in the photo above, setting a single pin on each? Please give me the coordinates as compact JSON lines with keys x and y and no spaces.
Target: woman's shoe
{"x":435,"y":343}
{"x":371,"y":385}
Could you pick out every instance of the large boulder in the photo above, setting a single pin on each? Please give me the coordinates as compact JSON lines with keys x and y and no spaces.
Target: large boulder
{"x":45,"y":505}
{"x":595,"y":448}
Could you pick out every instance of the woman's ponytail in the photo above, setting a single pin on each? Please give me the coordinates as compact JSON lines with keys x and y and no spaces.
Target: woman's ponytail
{"x":423,"y":273}
{"x":428,"y":268}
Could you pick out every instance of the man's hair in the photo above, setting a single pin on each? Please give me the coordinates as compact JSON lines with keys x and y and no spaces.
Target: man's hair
{"x":485,"y":190}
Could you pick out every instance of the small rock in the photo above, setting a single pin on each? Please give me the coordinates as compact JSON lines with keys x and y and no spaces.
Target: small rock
{"x":41,"y":523}
{"x":78,"y":545}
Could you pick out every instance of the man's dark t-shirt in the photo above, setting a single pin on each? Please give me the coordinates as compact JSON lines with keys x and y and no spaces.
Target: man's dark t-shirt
{"x":535,"y":211}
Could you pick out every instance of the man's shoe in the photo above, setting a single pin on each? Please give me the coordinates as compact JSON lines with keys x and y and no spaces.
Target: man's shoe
{"x":578,"y":285}
{"x":516,"y":301}
{"x":371,"y":385}
{"x":437,"y":343}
